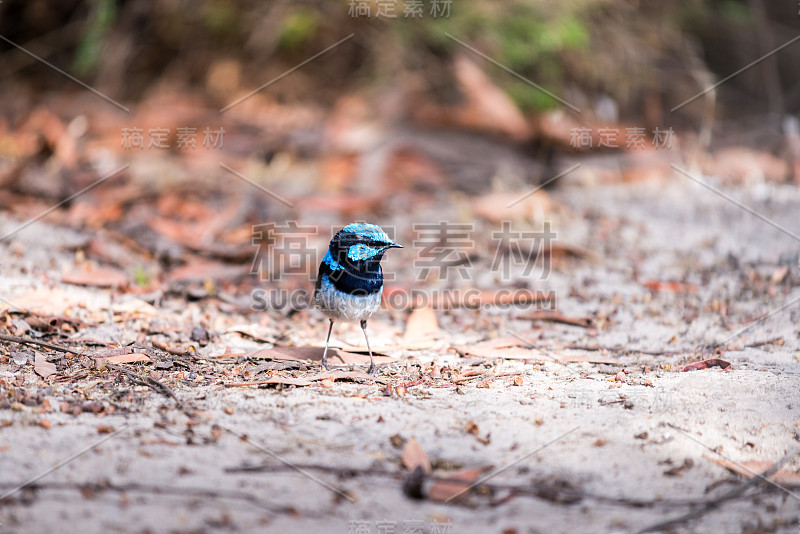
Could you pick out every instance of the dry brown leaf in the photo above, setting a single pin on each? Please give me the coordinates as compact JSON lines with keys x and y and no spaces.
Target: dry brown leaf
{"x":488,"y":107}
{"x":414,"y":456}
{"x":707,"y":364}
{"x":89,"y":275}
{"x":669,"y":287}
{"x":126,"y":358}
{"x":42,"y":367}
{"x":456,"y":486}
{"x":421,"y":325}
{"x":183,"y":232}
{"x":750,"y":468}
{"x":47,"y":301}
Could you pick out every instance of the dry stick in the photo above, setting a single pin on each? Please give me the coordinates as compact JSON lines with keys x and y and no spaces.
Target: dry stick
{"x":623,"y":350}
{"x":166,"y":348}
{"x":542,"y":491}
{"x":148,"y":381}
{"x":182,"y":357}
{"x":30,"y":341}
{"x":727,"y":496}
{"x":765,"y":342}
{"x":161,"y":490}
{"x":343,"y":472}
{"x":461,"y":379}
{"x":256,"y":383}
{"x":190,"y":355}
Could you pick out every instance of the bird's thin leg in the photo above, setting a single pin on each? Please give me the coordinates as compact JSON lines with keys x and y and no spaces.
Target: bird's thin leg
{"x":371,"y":361}
{"x":325,"y":352}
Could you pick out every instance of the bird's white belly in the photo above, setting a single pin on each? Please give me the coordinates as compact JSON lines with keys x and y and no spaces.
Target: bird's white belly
{"x":339,"y":306}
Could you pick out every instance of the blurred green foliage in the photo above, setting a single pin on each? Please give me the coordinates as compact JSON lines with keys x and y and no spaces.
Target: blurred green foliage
{"x":141,"y":277}
{"x":528,"y":36}
{"x":221,"y":18}
{"x":620,"y":48}
{"x":87,"y":55}
{"x":298,"y":27}
{"x":736,"y":12}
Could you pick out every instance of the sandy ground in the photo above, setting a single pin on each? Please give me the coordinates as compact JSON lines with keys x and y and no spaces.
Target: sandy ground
{"x":651,"y":436}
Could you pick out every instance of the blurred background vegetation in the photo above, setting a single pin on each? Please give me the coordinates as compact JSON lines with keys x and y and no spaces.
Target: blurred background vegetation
{"x":646,"y":57}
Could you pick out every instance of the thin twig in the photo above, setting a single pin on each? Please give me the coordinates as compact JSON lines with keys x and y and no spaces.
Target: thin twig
{"x":544,"y":491}
{"x":762,"y":343}
{"x":460,"y":379}
{"x":702,"y":350}
{"x":257,"y":383}
{"x":136,"y":487}
{"x":708,"y":506}
{"x":30,"y":341}
{"x":623,"y":350}
{"x":148,"y":381}
{"x":342,"y":472}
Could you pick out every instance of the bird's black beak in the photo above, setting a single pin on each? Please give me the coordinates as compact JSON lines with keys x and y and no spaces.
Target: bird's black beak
{"x":395,"y":245}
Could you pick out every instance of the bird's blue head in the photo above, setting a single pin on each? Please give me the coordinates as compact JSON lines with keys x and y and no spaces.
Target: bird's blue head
{"x":358,"y":246}
{"x":353,"y":261}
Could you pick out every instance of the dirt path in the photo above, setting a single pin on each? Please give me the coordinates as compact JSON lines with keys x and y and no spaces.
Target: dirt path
{"x":673,"y":271}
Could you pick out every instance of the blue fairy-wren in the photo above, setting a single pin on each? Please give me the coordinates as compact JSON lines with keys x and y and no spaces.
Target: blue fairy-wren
{"x":350,"y":281}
